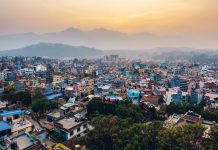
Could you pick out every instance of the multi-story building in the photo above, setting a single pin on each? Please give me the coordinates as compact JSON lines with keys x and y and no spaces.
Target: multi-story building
{"x":195,"y":97}
{"x":17,"y":121}
{"x":57,"y":79}
{"x":173,"y":96}
{"x":69,"y":127}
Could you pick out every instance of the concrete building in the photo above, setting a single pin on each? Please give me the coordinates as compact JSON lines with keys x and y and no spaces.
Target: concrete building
{"x":173,"y":96}
{"x":70,"y":127}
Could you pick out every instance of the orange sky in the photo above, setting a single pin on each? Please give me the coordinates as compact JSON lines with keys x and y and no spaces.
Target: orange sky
{"x":169,"y":17}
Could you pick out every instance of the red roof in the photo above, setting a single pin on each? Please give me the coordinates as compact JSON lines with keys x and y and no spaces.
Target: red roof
{"x":194,"y":119}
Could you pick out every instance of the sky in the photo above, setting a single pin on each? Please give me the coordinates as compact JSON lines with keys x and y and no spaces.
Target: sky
{"x":164,"y":17}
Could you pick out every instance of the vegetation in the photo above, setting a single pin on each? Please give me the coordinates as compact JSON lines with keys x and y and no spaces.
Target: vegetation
{"x":42,"y":105}
{"x":53,"y":50}
{"x":112,"y":132}
{"x":207,"y":114}
{"x":24,"y":97}
{"x":124,"y":110}
{"x":122,"y":126}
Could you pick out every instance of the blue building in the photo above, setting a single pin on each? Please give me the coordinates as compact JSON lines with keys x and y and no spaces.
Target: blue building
{"x":175,"y":82}
{"x":5,"y":129}
{"x":134,"y":95}
{"x":195,"y":97}
{"x":11,"y":76}
{"x":156,"y":77}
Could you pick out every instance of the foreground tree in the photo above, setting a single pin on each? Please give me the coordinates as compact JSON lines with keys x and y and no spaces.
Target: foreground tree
{"x":139,"y":136}
{"x":105,"y":130}
{"x":188,"y":136}
{"x":212,"y":141}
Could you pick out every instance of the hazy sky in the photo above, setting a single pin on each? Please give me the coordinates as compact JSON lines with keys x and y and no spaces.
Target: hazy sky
{"x":178,"y":17}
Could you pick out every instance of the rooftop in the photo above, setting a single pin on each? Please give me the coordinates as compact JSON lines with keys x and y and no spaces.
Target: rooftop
{"x":68,"y":123}
{"x":11,"y":113}
{"x":4,"y":126}
{"x":23,"y":141}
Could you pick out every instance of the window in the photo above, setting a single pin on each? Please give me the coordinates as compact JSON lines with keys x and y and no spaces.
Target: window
{"x":71,"y":133}
{"x":78,"y":129}
{"x":78,"y":135}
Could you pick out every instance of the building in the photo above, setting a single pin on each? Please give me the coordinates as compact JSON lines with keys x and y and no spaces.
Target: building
{"x":134,"y":95}
{"x":183,"y":85}
{"x":57,"y":79}
{"x":173,"y":96}
{"x":195,"y":96}
{"x":69,"y":127}
{"x":153,"y":99}
{"x":177,"y":82}
{"x":40,"y":68}
{"x":17,"y":121}
{"x":5,"y":130}
{"x":111,"y":58}
{"x":21,"y":141}
{"x":191,"y":117}
{"x":11,"y":76}
{"x":212,"y":99}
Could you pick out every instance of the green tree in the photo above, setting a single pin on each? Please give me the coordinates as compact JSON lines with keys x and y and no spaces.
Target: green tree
{"x":96,"y":106}
{"x":138,"y":136}
{"x":128,"y":110}
{"x":8,"y":94}
{"x":188,"y":136}
{"x":25,"y":98}
{"x":212,"y":141}
{"x":42,"y":105}
{"x":210,"y":114}
{"x":105,"y":130}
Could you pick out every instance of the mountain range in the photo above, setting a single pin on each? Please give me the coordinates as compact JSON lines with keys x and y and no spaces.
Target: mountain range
{"x":99,"y":38}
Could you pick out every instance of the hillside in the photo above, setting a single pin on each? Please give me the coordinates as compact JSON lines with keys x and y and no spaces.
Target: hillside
{"x":53,"y":50}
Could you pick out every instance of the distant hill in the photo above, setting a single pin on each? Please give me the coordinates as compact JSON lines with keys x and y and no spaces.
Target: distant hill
{"x":100,"y":38}
{"x":53,"y":50}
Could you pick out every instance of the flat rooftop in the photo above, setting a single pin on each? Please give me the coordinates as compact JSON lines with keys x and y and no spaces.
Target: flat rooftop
{"x":68,"y":123}
{"x":23,"y":141}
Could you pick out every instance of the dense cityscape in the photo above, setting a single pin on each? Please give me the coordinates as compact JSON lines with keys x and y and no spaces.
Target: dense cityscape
{"x":108,"y":75}
{"x":107,"y":103}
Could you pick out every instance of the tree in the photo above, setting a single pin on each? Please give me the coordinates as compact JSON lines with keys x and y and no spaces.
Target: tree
{"x":96,"y":106}
{"x":25,"y":98}
{"x":210,"y":114}
{"x":182,"y":108}
{"x":41,"y":105}
{"x":188,"y":136}
{"x":151,"y":114}
{"x":138,"y":136}
{"x":105,"y":130}
{"x":7,"y":94}
{"x":128,"y":110}
{"x":212,"y":141}
{"x":14,"y":97}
